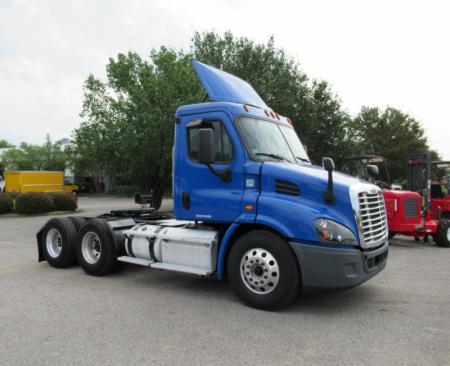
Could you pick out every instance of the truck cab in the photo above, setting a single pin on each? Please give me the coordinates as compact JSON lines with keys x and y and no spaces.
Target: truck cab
{"x":248,"y":205}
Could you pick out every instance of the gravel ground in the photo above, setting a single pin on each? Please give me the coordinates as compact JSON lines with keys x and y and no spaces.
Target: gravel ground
{"x":137,"y":316}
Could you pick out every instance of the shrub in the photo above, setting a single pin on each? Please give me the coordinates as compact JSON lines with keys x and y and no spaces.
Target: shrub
{"x":6,"y":203}
{"x":14,"y":195}
{"x":33,"y":203}
{"x":63,"y":201}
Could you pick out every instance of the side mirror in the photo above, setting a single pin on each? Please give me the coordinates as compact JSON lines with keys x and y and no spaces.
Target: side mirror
{"x":372,"y":171}
{"x":205,"y":146}
{"x":328,"y":164}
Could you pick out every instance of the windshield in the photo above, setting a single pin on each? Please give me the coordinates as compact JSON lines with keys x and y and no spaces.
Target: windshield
{"x":271,"y":141}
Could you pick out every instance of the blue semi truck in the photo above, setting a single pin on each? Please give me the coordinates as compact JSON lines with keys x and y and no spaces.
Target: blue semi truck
{"x":248,"y":206}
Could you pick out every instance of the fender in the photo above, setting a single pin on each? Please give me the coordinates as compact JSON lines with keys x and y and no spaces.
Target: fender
{"x":223,"y":249}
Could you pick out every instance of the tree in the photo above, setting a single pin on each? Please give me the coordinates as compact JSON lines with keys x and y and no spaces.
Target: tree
{"x":127,"y":130}
{"x":315,"y":110}
{"x":390,"y":133}
{"x":5,"y":144}
{"x":49,"y":156}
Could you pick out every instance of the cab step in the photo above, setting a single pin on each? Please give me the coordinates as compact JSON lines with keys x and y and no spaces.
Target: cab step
{"x":166,"y":266}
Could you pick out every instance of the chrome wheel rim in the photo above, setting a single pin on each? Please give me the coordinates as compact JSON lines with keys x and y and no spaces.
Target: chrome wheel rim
{"x":259,"y":271}
{"x":53,"y":243}
{"x":91,"y":247}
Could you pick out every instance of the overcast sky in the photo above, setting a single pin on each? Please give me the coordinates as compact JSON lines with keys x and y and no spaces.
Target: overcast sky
{"x":375,"y":53}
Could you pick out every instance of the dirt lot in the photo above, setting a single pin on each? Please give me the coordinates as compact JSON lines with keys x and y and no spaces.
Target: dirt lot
{"x":140,"y":317}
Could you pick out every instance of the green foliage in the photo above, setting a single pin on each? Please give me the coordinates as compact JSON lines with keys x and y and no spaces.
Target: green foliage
{"x":33,"y":203}
{"x":127,"y":131}
{"x":124,"y":190}
{"x":14,"y":195}
{"x":315,"y":110}
{"x":128,"y":119}
{"x":390,"y":133}
{"x":63,"y":201}
{"x":6,"y":203}
{"x":49,"y":156}
{"x":4,"y":144}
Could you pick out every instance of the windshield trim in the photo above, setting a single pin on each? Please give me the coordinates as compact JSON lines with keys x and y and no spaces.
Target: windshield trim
{"x":250,"y":154}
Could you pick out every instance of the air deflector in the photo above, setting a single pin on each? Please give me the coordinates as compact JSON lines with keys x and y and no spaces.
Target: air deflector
{"x":224,"y":87}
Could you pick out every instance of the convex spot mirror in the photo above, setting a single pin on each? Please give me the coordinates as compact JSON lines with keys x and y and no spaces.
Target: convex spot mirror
{"x":328,"y":164}
{"x":372,"y":171}
{"x":205,"y":146}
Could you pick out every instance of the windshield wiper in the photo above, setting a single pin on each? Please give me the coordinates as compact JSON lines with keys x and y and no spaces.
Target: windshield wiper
{"x":302,"y":159}
{"x":274,"y":156}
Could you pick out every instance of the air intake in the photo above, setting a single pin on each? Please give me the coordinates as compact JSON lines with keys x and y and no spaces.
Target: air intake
{"x":285,"y":187}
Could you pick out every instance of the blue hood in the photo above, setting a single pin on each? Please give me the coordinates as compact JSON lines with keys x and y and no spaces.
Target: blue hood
{"x":224,"y":87}
{"x":289,"y":210}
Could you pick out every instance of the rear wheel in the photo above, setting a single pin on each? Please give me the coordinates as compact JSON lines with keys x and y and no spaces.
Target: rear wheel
{"x":96,"y":251}
{"x":442,"y":237}
{"x":58,"y":242}
{"x":263,"y":271}
{"x":77,"y":221}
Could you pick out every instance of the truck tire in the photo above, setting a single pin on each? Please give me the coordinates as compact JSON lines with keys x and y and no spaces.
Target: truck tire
{"x":442,"y":237}
{"x":95,"y":248}
{"x":263,"y":270}
{"x":58,"y":242}
{"x":77,"y":221}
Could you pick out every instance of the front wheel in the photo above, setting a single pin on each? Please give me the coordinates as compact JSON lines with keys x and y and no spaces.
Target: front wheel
{"x":263,"y":270}
{"x":442,"y":237}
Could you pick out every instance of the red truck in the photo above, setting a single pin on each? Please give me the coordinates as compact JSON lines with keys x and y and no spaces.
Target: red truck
{"x":412,"y":212}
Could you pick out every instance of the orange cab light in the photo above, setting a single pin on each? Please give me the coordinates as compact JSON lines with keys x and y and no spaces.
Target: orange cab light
{"x":267,"y":113}
{"x":325,"y":234}
{"x":245,"y":108}
{"x":278,"y":116}
{"x":248,"y":207}
{"x":272,"y":115}
{"x":289,"y":120}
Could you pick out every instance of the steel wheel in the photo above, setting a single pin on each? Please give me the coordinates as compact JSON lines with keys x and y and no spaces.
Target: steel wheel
{"x":53,"y":242}
{"x":91,"y":247}
{"x":260,"y":271}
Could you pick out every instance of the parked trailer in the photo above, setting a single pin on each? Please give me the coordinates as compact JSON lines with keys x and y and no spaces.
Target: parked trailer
{"x":248,"y":205}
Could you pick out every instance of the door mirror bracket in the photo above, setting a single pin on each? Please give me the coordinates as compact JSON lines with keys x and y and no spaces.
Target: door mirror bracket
{"x":206,"y":153}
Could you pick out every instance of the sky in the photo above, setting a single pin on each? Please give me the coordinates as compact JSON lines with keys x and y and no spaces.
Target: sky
{"x":373,"y":53}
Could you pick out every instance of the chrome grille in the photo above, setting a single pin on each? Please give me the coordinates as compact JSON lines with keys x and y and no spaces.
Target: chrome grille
{"x":372,"y":218}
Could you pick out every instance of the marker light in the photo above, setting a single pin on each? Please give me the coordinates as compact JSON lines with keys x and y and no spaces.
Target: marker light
{"x":245,"y":108}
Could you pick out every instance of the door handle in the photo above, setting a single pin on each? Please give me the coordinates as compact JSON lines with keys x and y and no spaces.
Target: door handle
{"x":186,"y":197}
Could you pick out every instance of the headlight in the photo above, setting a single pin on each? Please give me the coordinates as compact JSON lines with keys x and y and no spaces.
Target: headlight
{"x":333,"y":233}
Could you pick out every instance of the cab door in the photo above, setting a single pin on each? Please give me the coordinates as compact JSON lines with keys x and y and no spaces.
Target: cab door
{"x":201,"y":195}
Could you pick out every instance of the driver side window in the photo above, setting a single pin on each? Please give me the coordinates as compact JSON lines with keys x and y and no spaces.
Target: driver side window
{"x":223,"y":148}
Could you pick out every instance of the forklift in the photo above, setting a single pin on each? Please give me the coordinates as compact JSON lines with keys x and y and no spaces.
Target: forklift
{"x":409,"y":212}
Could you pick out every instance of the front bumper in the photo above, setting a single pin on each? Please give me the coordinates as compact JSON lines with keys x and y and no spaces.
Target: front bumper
{"x":334,"y":268}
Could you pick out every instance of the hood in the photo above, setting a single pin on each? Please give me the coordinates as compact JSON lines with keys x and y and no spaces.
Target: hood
{"x":312,"y":183}
{"x":224,"y":87}
{"x":314,"y":176}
